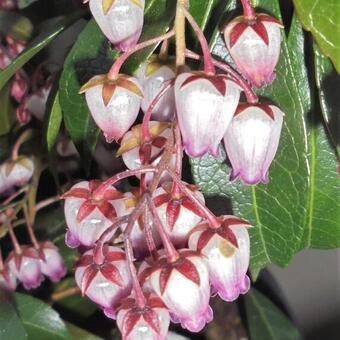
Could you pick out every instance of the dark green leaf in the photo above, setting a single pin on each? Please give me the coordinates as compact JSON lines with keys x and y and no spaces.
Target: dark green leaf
{"x":91,"y":55}
{"x":11,"y":327}
{"x":266,"y":321}
{"x":36,"y":45}
{"x":321,"y":17}
{"x":7,"y":117}
{"x":79,"y":333}
{"x":15,"y":25}
{"x":41,"y":322}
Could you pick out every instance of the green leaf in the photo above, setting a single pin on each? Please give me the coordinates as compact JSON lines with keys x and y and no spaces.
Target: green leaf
{"x":285,"y":211}
{"x":40,"y":321}
{"x":327,"y":80}
{"x":6,"y":111}
{"x":11,"y":327}
{"x":79,"y":333}
{"x":53,"y":122}
{"x":15,"y":25}
{"x":321,"y":17}
{"x":266,"y":321}
{"x":25,"y":3}
{"x":90,"y":55}
{"x":35,"y":46}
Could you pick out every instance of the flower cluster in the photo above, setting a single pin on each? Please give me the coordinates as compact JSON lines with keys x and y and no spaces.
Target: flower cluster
{"x":176,"y":253}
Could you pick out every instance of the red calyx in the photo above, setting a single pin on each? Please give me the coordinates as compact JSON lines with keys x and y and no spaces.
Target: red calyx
{"x":265,"y":107}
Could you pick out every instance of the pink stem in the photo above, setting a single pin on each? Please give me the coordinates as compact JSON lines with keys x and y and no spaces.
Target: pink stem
{"x":119,"y":221}
{"x":99,"y":192}
{"x":209,"y":67}
{"x":1,"y":261}
{"x":169,"y":248}
{"x":14,"y":240}
{"x":146,"y":136}
{"x":248,"y":10}
{"x":213,"y":220}
{"x":98,"y":253}
{"x":114,"y":71}
{"x":14,"y":195}
{"x":248,"y":91}
{"x":148,"y":234}
{"x":175,"y":191}
{"x":30,"y":229}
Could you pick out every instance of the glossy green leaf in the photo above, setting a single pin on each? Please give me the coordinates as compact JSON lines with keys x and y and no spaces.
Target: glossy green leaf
{"x":7,"y":115}
{"x":35,"y":46}
{"x":11,"y":327}
{"x":15,"y":25}
{"x":90,"y":55}
{"x":40,"y":321}
{"x":327,"y":80}
{"x":283,"y":212}
{"x":266,"y":321}
{"x":78,"y":333}
{"x":321,"y":17}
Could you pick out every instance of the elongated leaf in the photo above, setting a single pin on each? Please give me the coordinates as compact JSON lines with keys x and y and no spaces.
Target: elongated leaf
{"x":11,"y":327}
{"x":40,"y":321}
{"x":266,"y":321}
{"x":327,"y":80}
{"x":6,"y":111}
{"x":284,"y":211}
{"x":35,"y":46}
{"x":91,"y":55}
{"x":79,"y":333}
{"x":321,"y":17}
{"x":15,"y":25}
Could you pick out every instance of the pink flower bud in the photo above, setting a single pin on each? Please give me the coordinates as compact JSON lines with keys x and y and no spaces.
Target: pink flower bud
{"x":5,"y":59}
{"x":51,"y":262}
{"x":7,"y":5}
{"x":19,"y":87}
{"x":8,"y":280}
{"x":15,"y":173}
{"x":120,"y":20}
{"x":252,"y":141}
{"x":135,"y":153}
{"x":184,"y":288}
{"x":226,"y":251}
{"x":124,"y":207}
{"x":255,"y":47}
{"x":114,"y":104}
{"x":26,"y":267}
{"x":22,"y":113}
{"x":153,"y":75}
{"x":148,"y":323}
{"x":205,"y":106}
{"x":103,"y":276}
{"x":87,"y":217}
{"x":178,"y":214}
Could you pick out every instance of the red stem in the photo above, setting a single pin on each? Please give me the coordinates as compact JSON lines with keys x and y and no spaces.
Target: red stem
{"x":248,"y":10}
{"x":248,"y":91}
{"x":175,"y":191}
{"x":99,"y":192}
{"x":14,"y":240}
{"x":114,"y":71}
{"x":146,"y":136}
{"x":213,"y":220}
{"x":148,"y":234}
{"x":30,"y":229}
{"x":170,"y":250}
{"x":115,"y":225}
{"x":209,"y":67}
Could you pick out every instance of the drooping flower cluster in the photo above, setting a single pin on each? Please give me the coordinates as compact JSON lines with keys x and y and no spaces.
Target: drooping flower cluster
{"x":177,"y":253}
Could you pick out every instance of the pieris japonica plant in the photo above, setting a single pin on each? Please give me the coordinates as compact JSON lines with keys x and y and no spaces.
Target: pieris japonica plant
{"x":103,"y":220}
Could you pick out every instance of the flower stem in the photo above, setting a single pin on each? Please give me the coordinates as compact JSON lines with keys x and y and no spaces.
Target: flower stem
{"x":14,"y":239}
{"x":209,"y":67}
{"x":65,"y":293}
{"x":213,"y":220}
{"x":30,"y":228}
{"x":180,"y":34}
{"x":148,"y":234}
{"x":45,"y":203}
{"x":175,"y":191}
{"x":114,"y":71}
{"x":24,"y":137}
{"x":248,"y":10}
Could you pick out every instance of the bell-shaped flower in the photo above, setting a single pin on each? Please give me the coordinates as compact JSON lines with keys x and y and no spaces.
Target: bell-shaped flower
{"x":36,"y":102}
{"x":150,"y":322}
{"x":51,"y":262}
{"x":154,"y":75}
{"x":88,"y":217}
{"x":103,"y":276}
{"x":7,"y":5}
{"x":226,"y":252}
{"x":124,"y":207}
{"x":19,"y":87}
{"x":255,"y":47}
{"x":177,"y":212}
{"x":136,"y":153}
{"x":114,"y":104}
{"x":252,"y":141}
{"x":205,"y":106}
{"x":184,"y":288}
{"x":8,"y":280}
{"x":26,"y":267}
{"x":120,"y":20}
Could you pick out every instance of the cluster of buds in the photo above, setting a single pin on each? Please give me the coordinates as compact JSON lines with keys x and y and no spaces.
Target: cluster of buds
{"x":176,"y":253}
{"x":8,"y":5}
